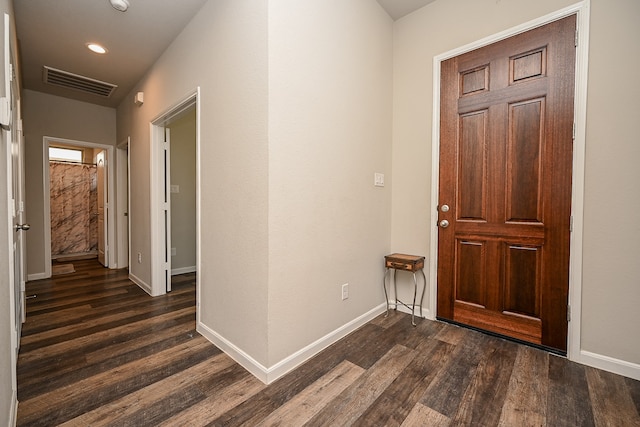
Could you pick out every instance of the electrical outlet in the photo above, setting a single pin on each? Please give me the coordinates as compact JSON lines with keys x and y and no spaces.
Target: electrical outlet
{"x":139,"y":258}
{"x":345,"y":291}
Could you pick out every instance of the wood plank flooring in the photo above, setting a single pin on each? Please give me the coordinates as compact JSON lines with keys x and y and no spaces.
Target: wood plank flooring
{"x":97,"y":351}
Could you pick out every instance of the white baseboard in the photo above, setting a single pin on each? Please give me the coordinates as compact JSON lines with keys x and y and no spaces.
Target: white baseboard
{"x":249,"y":363}
{"x":304,"y":354}
{"x":610,"y":364}
{"x":36,"y":276}
{"x":141,"y":283}
{"x":426,"y":313}
{"x":269,"y":375}
{"x":183,"y":270}
{"x":13,"y":411}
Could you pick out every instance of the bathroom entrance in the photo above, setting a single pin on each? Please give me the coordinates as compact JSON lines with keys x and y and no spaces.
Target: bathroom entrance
{"x":77,"y":208}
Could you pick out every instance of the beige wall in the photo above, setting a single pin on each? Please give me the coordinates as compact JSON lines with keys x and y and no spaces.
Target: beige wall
{"x":330,"y":99}
{"x":54,"y":116}
{"x":611,"y":287}
{"x":611,"y":273}
{"x":183,"y":203}
{"x":224,"y":52}
{"x":289,"y":210}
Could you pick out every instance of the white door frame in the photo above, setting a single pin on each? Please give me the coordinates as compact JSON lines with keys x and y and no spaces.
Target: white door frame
{"x":102,"y":187}
{"x":582,"y":9}
{"x":161,"y":196}
{"x":123,"y":243}
{"x":160,"y":209}
{"x":109,"y":217}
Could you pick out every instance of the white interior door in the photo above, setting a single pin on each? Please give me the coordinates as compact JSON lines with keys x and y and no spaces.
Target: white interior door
{"x":167,"y":208}
{"x":122,"y":207}
{"x":19,"y":225}
{"x":12,"y":138}
{"x":17,"y":206}
{"x":102,"y":206}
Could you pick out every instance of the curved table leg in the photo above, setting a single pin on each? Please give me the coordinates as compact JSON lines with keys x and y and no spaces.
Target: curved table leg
{"x":413,"y":306}
{"x":384,"y":286}
{"x":424,"y":287}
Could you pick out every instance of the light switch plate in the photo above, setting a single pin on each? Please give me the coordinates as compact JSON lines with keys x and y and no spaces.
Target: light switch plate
{"x":378,"y":179}
{"x":175,"y":188}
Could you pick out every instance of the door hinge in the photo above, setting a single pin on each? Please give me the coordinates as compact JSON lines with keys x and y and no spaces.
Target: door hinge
{"x":568,"y":313}
{"x":576,"y":39}
{"x":571,"y":223}
{"x":573,"y":131}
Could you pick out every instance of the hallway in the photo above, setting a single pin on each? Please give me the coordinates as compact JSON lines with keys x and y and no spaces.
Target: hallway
{"x":92,"y":337}
{"x":96,"y":350}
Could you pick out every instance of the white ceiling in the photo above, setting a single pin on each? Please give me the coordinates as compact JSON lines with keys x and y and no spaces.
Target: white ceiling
{"x":54,"y":33}
{"x":399,"y":8}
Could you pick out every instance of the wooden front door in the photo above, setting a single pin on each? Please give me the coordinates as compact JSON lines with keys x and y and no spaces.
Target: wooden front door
{"x":505,"y":178}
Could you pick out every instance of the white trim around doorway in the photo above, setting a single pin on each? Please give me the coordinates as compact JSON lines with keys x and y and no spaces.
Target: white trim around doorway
{"x":111,"y":233}
{"x":159,"y":268}
{"x":123,"y":256}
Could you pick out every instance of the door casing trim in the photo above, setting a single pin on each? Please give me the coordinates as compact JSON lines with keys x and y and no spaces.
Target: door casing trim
{"x":110,"y":217}
{"x":123,"y":256}
{"x":582,"y":10}
{"x":158,"y":268}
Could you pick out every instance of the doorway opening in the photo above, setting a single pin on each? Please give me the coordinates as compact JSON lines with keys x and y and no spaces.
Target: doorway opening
{"x":123,"y":190}
{"x":79,"y":222}
{"x":175,"y":194}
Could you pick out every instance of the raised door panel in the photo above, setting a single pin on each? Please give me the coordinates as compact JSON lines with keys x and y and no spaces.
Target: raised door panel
{"x":524,"y":161}
{"x":470,"y":283}
{"x":472,"y":166}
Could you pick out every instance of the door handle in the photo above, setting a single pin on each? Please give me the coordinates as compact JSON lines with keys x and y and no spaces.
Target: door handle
{"x":444,"y":223}
{"x":23,"y":227}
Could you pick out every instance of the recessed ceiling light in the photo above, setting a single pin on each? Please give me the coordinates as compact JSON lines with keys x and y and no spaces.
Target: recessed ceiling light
{"x":96,"y":48}
{"x":121,"y":5}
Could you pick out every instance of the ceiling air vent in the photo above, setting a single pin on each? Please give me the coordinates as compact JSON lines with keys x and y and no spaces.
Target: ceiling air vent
{"x":76,"y":82}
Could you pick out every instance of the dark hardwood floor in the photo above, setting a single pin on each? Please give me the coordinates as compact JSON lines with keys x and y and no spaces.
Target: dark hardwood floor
{"x":96,"y":350}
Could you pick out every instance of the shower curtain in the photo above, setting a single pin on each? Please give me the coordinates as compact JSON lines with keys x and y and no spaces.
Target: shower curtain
{"x":74,"y":207}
